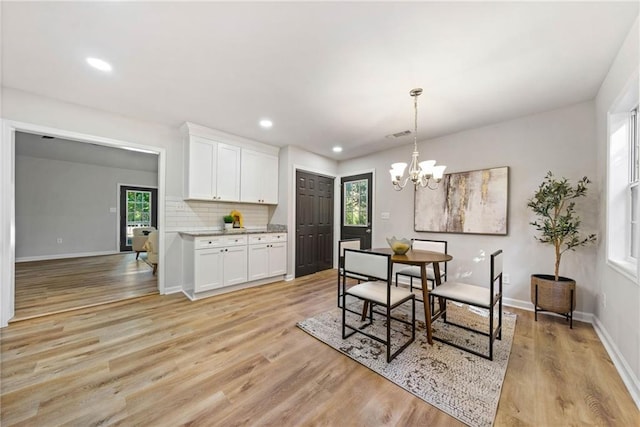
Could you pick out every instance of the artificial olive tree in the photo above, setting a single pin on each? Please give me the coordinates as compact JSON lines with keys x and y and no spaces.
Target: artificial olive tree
{"x":557,"y":221}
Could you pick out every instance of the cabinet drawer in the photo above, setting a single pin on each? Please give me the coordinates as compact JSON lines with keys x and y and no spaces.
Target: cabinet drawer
{"x":208,"y":242}
{"x":277,"y":237}
{"x":258,"y":238}
{"x":237,"y":240}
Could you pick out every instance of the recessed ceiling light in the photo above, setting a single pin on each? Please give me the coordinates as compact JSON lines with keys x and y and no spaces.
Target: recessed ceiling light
{"x":99,"y":64}
{"x":266,"y":123}
{"x":337,"y":149}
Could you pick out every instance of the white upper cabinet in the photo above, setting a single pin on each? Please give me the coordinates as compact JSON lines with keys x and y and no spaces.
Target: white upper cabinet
{"x":228,"y":168}
{"x":228,"y":172}
{"x":212,"y":170}
{"x":258,"y":177}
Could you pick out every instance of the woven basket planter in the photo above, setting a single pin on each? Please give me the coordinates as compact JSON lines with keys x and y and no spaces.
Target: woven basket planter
{"x":556,"y":296}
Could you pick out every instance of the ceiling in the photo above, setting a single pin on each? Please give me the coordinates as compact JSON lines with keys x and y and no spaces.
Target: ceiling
{"x":325,"y":73}
{"x":32,"y":145}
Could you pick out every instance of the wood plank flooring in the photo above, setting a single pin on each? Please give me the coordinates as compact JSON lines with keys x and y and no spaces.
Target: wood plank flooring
{"x":54,"y":286}
{"x":239,"y":359}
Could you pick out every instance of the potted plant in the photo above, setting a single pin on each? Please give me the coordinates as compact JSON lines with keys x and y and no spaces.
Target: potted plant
{"x":228,"y":222}
{"x":557,"y":225}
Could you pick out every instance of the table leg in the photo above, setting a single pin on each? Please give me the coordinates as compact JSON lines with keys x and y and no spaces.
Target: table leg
{"x":425,"y":298}
{"x":437,"y":282}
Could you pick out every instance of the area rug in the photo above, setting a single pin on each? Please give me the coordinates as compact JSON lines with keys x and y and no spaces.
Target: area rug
{"x":459,"y":383}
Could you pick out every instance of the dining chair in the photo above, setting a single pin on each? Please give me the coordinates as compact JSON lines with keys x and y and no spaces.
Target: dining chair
{"x":477,"y":296}
{"x":380,"y":291}
{"x":413,"y":271}
{"x":342,"y":245}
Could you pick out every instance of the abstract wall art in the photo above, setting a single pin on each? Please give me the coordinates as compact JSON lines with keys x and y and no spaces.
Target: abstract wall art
{"x":465,"y":202}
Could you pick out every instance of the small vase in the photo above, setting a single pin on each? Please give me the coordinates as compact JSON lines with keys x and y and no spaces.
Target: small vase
{"x":228,"y":226}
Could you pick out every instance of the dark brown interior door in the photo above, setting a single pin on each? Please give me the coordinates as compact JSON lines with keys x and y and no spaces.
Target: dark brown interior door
{"x":314,"y":223}
{"x":356,"y":200}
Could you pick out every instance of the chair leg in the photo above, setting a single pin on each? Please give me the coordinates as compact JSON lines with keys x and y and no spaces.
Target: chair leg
{"x":137,"y":254}
{"x":491,"y":332}
{"x":365,"y":308}
{"x":155,"y":268}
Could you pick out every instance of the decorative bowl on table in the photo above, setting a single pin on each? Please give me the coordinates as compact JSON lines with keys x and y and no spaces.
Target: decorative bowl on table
{"x":399,"y":246}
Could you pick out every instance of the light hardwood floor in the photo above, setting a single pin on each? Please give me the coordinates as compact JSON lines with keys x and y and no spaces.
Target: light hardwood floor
{"x":59,"y":285}
{"x":239,"y":359}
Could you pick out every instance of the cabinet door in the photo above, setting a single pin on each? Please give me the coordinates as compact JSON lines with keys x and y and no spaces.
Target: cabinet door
{"x":201,"y":182}
{"x":235,"y":265}
{"x":228,"y":173}
{"x":258,"y":261}
{"x":278,"y":259}
{"x":250,"y":177}
{"x":270,"y":179}
{"x":208,"y":269}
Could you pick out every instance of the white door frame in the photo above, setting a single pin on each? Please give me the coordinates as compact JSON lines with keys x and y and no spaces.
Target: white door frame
{"x":7,"y":201}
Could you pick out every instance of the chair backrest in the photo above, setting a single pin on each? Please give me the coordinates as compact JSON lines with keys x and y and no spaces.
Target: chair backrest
{"x":369,"y":264}
{"x":496,"y":270}
{"x":348,"y":244}
{"x":433,"y":246}
{"x":142,"y":231}
{"x":429,"y":245}
{"x":153,"y":241}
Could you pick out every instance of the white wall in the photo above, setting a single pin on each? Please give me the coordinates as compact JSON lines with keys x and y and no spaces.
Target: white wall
{"x":619,"y":322}
{"x":562,"y":141}
{"x":69,"y":200}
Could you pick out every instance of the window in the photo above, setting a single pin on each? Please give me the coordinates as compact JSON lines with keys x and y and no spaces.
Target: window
{"x":356,"y":203}
{"x":138,"y":211}
{"x":623,"y":204}
{"x":634,"y":185}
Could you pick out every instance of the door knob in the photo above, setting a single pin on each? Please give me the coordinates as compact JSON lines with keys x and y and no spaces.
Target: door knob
{"x":368,"y":230}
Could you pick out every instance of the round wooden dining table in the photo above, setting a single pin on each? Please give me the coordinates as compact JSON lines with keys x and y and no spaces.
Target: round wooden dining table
{"x":421,"y":259}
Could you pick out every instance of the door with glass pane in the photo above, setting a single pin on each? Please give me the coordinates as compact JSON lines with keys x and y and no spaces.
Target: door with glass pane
{"x":138,"y":208}
{"x":355,"y":218}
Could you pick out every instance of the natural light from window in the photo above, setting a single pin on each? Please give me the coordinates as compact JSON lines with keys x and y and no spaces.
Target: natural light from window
{"x":623,"y":232}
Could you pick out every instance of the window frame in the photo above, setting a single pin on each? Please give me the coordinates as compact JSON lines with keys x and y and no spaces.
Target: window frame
{"x":633,"y":186}
{"x":622,"y":180}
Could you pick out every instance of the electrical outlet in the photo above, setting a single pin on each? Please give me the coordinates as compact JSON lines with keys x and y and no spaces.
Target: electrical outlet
{"x":505,"y":279}
{"x":59,"y":240}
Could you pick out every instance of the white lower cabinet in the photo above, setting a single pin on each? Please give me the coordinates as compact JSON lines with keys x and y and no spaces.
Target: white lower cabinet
{"x":214,"y":262}
{"x":267,"y":255}
{"x":234,"y":265}
{"x":208,"y":266}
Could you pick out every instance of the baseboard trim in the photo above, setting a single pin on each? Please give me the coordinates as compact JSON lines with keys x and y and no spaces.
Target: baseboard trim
{"x":63,"y":256}
{"x":172,"y":290}
{"x":626,"y":373}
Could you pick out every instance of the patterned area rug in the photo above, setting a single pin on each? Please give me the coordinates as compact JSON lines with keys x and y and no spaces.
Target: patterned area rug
{"x":459,"y":383}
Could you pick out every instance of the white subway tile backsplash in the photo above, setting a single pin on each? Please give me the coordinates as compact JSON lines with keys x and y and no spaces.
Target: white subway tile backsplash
{"x":187,"y":215}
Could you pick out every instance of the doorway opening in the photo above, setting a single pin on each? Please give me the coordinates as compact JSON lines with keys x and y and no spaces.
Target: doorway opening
{"x":75,"y":246}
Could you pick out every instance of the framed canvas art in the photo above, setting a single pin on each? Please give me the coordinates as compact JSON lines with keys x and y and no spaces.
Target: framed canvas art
{"x":465,"y":202}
